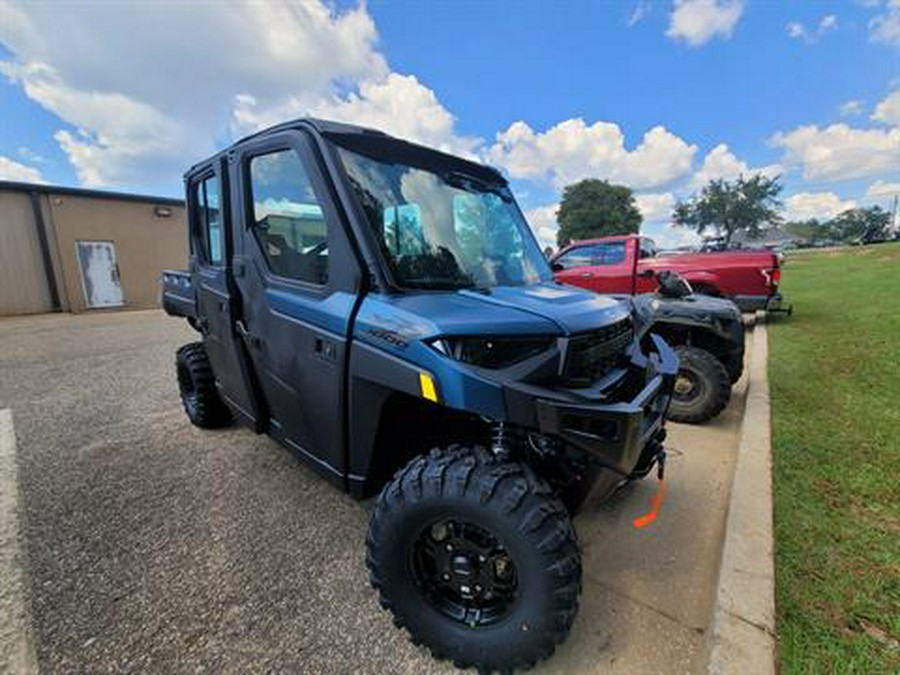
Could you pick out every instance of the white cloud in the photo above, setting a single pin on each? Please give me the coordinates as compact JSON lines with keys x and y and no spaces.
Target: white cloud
{"x":840,"y":152}
{"x":885,"y":27}
{"x":796,"y":30}
{"x":397,"y":104}
{"x":118,"y":138}
{"x":699,"y":21}
{"x":720,"y":162}
{"x":11,"y":170}
{"x":147,"y":88}
{"x":820,"y":205}
{"x":888,"y":110}
{"x":543,"y":223}
{"x":799,"y":31}
{"x":881,"y":188}
{"x":851,"y":108}
{"x":656,"y":206}
{"x":572,"y":150}
{"x":668,"y":236}
{"x":639,"y":13}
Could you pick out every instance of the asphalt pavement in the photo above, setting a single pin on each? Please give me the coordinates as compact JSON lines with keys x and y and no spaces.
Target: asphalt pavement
{"x":153,"y":546}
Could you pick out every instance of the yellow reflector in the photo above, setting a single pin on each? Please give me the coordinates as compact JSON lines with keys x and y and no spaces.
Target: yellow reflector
{"x":429,"y":391}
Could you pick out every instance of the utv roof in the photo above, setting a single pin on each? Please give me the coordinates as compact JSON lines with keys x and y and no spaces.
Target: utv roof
{"x":330,"y":128}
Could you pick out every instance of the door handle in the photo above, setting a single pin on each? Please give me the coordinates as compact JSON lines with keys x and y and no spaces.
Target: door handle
{"x":325,"y":349}
{"x":587,"y":275}
{"x":248,"y":337}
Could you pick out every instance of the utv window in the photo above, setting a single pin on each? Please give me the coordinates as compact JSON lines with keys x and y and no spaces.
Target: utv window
{"x":208,"y":221}
{"x":288,"y":220}
{"x":403,"y":230}
{"x":439,"y":227}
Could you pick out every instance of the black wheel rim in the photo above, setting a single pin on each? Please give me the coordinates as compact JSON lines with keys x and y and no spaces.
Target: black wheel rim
{"x":188,"y":390}
{"x":688,"y":387}
{"x":464,"y":572}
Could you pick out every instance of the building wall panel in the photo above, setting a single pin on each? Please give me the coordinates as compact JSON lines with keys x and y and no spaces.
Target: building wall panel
{"x":23,"y":280}
{"x":145,"y":243}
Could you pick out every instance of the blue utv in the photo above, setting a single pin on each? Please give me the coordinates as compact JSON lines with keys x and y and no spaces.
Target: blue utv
{"x":383,"y":310}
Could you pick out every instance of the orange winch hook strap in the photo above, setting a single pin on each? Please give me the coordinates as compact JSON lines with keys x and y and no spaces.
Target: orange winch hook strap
{"x":656,"y":502}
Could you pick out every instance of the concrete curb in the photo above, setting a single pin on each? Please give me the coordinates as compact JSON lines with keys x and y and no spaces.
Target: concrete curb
{"x":16,"y":646}
{"x":743,"y":639}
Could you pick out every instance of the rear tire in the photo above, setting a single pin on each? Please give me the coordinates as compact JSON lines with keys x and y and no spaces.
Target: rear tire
{"x":476,"y":558}
{"x":197,"y":386}
{"x":702,"y":387}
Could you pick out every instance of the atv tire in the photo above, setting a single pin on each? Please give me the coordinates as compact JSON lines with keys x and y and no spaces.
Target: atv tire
{"x":476,"y":558}
{"x":197,"y":386}
{"x":702,"y":387}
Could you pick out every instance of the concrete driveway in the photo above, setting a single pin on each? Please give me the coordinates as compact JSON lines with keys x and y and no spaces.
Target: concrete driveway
{"x":154,"y":546}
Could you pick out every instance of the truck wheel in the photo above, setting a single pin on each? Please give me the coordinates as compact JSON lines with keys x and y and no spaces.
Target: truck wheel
{"x":476,"y":558}
{"x":198,"y":388}
{"x":702,"y":387}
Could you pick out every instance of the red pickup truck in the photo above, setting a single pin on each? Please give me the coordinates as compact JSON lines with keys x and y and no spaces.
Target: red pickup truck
{"x":630,"y":264}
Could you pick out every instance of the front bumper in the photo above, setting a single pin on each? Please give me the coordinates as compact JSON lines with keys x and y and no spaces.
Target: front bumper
{"x":613,"y":434}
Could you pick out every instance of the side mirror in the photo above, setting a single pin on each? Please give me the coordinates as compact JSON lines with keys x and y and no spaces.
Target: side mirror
{"x":557,"y":266}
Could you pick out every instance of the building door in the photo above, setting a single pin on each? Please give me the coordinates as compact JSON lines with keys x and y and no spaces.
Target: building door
{"x":99,"y":273}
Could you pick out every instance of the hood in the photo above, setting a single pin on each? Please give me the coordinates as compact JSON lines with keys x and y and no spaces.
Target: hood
{"x":540,"y":309}
{"x":572,"y":309}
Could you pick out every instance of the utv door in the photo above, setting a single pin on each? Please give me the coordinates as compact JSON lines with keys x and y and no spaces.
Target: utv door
{"x":217,"y":299}
{"x":298,"y":275}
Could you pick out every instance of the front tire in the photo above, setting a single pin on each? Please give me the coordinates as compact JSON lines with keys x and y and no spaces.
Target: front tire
{"x":197,"y":386}
{"x":476,"y":558}
{"x":702,"y":387}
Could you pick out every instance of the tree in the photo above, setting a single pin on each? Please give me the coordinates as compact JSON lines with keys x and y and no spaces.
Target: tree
{"x":596,"y":208}
{"x":809,"y":231}
{"x":861,"y":224}
{"x":732,"y":206}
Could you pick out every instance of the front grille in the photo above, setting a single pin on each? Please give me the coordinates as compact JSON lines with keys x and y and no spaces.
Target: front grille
{"x":590,"y":355}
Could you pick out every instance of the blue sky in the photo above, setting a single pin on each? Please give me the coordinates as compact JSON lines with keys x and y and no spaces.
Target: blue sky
{"x":658,"y":95}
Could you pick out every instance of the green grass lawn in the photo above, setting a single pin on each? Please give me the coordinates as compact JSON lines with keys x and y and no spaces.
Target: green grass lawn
{"x":835,"y":381}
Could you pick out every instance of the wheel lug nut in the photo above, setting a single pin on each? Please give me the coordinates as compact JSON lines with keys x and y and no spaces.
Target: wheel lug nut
{"x":446,"y":576}
{"x":482,"y":559}
{"x":449,"y":547}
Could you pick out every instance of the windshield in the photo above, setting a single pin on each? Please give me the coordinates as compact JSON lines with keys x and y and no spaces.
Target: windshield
{"x":444,"y":229}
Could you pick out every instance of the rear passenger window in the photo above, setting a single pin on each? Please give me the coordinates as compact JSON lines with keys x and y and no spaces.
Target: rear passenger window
{"x":288,"y":220}
{"x":209,"y":221}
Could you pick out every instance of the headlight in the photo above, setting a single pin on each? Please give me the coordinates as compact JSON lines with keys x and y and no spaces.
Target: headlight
{"x":491,"y":352}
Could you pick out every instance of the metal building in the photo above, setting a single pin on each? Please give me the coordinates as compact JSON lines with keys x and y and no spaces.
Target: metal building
{"x":73,"y":250}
